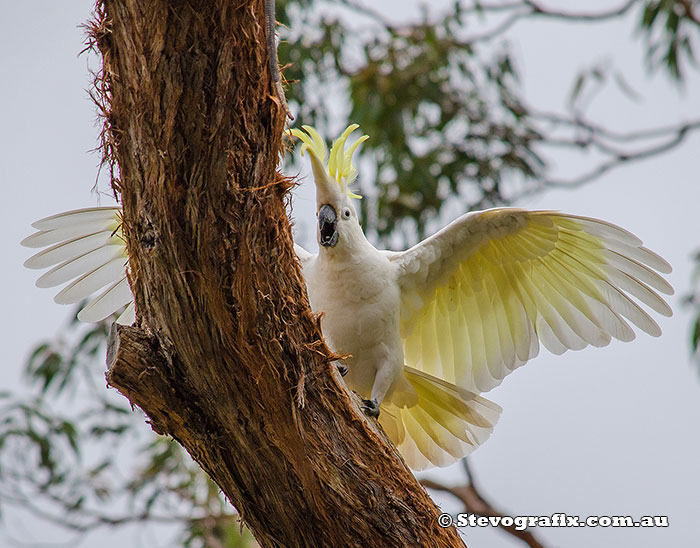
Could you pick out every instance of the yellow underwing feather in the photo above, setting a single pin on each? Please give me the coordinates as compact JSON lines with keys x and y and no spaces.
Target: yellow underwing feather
{"x":495,"y":284}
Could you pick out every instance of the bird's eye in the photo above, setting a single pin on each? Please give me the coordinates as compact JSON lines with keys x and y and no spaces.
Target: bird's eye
{"x":346,"y":213}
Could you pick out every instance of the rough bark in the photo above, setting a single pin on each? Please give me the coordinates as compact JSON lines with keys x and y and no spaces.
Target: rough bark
{"x":226,"y":356}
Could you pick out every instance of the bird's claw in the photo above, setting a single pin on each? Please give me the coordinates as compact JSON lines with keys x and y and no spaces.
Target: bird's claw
{"x":371,"y":408}
{"x":342,"y":368}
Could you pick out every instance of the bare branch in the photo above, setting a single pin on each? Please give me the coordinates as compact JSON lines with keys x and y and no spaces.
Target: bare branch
{"x":597,"y":136}
{"x":539,"y":10}
{"x":499,"y":29}
{"x":474,"y":503}
{"x":513,"y":12}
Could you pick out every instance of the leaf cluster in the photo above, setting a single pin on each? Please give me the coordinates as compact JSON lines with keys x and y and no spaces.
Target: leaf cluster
{"x":671,"y":29}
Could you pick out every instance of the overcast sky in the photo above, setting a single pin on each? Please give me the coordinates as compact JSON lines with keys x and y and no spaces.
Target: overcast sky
{"x":610,"y":431}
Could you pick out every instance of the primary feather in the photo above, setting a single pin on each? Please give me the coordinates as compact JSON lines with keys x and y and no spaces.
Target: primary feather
{"x":88,"y":250}
{"x":507,"y":279}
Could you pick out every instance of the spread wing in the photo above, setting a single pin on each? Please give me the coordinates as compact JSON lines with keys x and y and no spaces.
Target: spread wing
{"x":479,"y":296}
{"x":86,"y":248}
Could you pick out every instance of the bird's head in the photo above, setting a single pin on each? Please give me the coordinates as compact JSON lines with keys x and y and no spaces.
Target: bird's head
{"x":338,"y":224}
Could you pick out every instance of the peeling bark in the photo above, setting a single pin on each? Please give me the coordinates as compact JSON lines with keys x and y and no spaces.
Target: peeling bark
{"x":226,"y":356}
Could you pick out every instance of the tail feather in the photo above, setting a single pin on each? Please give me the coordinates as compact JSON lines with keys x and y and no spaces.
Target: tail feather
{"x":452,"y":423}
{"x":446,"y":424}
{"x":434,"y":441}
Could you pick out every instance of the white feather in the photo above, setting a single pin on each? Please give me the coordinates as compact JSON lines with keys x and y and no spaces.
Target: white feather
{"x":57,"y":235}
{"x":64,"y":251}
{"x":128,"y":316}
{"x":79,"y":217}
{"x":91,"y":281}
{"x":88,"y":251}
{"x":108,"y":302}
{"x":76,"y":267}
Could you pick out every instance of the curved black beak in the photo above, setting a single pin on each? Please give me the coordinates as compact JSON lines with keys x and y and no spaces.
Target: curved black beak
{"x":327,"y":220}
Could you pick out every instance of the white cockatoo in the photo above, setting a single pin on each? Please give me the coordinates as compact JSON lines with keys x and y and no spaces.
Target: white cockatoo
{"x":428,"y":329}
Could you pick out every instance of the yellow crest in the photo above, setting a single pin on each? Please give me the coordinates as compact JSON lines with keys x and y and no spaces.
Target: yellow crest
{"x":339,"y":165}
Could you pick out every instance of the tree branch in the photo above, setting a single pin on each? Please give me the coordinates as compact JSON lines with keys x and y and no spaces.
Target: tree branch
{"x":226,"y":356}
{"x":601,"y":139}
{"x":509,"y":13}
{"x":540,"y":10}
{"x":474,"y":503}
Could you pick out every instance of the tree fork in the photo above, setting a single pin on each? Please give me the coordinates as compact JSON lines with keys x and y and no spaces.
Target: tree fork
{"x":226,"y":356}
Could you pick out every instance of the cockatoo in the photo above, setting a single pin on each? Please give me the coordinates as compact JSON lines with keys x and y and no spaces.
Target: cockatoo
{"x":428,"y":329}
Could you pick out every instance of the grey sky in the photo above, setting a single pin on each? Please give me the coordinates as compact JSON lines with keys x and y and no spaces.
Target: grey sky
{"x":610,"y":431}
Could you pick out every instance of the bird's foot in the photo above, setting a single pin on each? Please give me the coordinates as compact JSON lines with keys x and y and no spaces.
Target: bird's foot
{"x":371,"y":408}
{"x":342,"y":368}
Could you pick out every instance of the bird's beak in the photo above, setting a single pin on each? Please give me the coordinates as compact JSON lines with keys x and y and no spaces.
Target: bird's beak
{"x":327,"y":229}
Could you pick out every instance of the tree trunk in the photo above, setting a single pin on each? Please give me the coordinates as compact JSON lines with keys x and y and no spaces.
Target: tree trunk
{"x":226,"y":356}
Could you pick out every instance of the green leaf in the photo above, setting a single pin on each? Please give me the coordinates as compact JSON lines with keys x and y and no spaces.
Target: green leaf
{"x":695,"y":338}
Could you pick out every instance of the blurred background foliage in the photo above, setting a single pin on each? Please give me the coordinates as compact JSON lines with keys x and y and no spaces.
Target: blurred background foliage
{"x":441,"y":100}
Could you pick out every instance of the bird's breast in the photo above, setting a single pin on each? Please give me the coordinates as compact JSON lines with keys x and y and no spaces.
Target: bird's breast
{"x":359,"y":301}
